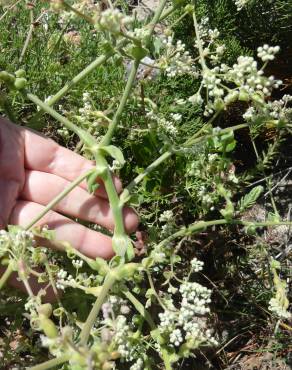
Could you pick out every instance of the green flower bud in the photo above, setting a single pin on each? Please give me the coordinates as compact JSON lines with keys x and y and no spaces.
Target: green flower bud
{"x":20,"y":83}
{"x":243,"y":96}
{"x":251,"y":230}
{"x":20,"y":73}
{"x":45,"y":309}
{"x":189,"y":8}
{"x":122,"y":246}
{"x":6,"y":77}
{"x":219,"y":105}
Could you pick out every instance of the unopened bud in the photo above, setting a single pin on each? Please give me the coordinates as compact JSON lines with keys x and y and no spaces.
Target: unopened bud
{"x":45,"y":309}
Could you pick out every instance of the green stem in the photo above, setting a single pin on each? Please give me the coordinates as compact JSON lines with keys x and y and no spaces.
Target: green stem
{"x":85,"y":332}
{"x":80,"y":76}
{"x":6,"y":275}
{"x":113,"y":124}
{"x":78,"y":13}
{"x":166,"y":359}
{"x":84,"y":135}
{"x":114,"y":200}
{"x":51,"y":363}
{"x":58,"y":198}
{"x":200,"y":47}
{"x":155,"y":19}
{"x":198,"y":226}
{"x":140,"y":308}
{"x":28,"y":37}
{"x":167,"y":12}
{"x":194,"y":140}
{"x":169,"y":153}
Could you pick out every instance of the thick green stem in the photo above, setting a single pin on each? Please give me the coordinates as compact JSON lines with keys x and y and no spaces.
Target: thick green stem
{"x":113,"y":197}
{"x":85,"y":332}
{"x":113,"y":124}
{"x":6,"y":275}
{"x":58,"y":198}
{"x":51,"y":363}
{"x":166,"y":359}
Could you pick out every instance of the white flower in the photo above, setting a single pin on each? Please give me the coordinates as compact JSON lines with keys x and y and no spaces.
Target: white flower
{"x":196,"y":99}
{"x":166,"y":216}
{"x":112,"y":20}
{"x":176,"y":117}
{"x":276,"y":307}
{"x":240,"y":4}
{"x":267,"y":52}
{"x":197,"y":265}
{"x":176,"y":337}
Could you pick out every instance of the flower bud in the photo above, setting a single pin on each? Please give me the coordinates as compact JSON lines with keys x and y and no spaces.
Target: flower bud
{"x":45,"y":309}
{"x":20,"y":73}
{"x":6,"y":77}
{"x":20,"y":83}
{"x":243,"y":96}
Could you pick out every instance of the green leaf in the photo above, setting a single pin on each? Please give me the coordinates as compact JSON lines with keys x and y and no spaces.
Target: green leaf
{"x":249,"y":199}
{"x":137,"y":52}
{"x":114,"y":152}
{"x":92,"y":184}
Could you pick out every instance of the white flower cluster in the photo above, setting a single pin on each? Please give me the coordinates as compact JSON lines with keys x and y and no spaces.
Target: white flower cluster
{"x":188,"y":322}
{"x":195,"y":298}
{"x":240,"y":4}
{"x":77,"y":263}
{"x":267,"y":52}
{"x":87,"y":108}
{"x":248,"y":78}
{"x":138,"y":365}
{"x":167,"y":126}
{"x":166,"y":216}
{"x":113,"y":20}
{"x":277,"y":308}
{"x":16,"y":242}
{"x":64,"y":280}
{"x":176,"y":337}
{"x":197,"y":265}
{"x":121,"y":338}
{"x":176,"y":60}
{"x":114,"y":306}
{"x":275,"y":111}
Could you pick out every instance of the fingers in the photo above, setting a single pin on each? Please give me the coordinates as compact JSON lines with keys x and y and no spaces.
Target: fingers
{"x":35,"y":286}
{"x":89,"y":242}
{"x":11,"y":168}
{"x":42,"y":187}
{"x":43,"y":154}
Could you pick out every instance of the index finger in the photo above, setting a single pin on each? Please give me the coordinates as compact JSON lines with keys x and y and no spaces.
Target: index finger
{"x":44,"y":154}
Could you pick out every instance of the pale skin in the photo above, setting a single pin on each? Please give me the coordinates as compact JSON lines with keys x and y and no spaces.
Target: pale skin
{"x":33,"y":170}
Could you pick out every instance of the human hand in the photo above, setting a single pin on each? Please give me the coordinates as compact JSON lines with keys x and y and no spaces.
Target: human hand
{"x":33,"y":171}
